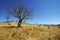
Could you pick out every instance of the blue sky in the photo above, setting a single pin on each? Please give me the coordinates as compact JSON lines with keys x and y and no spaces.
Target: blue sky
{"x":44,"y":11}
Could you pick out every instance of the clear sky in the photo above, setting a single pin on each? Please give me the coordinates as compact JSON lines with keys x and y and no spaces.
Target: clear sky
{"x":44,"y":11}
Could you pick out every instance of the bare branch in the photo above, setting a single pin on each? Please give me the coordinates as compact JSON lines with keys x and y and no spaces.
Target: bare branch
{"x":19,"y":11}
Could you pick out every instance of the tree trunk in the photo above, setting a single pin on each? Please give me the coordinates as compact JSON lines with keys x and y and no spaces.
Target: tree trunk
{"x":19,"y":23}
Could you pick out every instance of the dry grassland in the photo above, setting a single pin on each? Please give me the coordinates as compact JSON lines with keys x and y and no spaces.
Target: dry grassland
{"x":28,"y":32}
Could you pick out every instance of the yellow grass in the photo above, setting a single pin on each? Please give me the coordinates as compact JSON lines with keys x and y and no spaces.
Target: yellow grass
{"x":29,"y":32}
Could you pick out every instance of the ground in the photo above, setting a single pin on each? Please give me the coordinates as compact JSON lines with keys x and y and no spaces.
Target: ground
{"x":8,"y":31}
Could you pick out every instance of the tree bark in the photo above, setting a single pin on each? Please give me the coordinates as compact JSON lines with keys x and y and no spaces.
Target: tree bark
{"x":19,"y":23}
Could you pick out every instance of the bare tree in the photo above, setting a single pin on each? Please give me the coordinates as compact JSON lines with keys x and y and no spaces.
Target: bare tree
{"x":7,"y":18}
{"x":19,"y":11}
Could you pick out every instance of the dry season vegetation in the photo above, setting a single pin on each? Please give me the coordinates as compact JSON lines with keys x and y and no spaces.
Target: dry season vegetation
{"x":28,"y":32}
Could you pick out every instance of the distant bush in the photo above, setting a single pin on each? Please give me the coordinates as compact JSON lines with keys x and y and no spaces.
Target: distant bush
{"x":36,"y":24}
{"x":58,"y":25}
{"x":48,"y":27}
{"x":16,"y":21}
{"x":39,"y":25}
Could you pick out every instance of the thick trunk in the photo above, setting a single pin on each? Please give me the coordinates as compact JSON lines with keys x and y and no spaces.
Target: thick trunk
{"x":19,"y":23}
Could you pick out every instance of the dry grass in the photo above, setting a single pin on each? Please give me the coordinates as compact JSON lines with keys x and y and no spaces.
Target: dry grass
{"x":29,"y":32}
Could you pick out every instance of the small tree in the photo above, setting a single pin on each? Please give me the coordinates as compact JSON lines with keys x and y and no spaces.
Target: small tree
{"x":7,"y":18}
{"x":19,"y":11}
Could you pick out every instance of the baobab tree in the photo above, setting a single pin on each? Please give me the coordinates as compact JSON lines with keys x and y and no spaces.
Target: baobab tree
{"x":19,"y":11}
